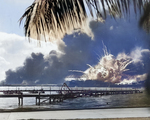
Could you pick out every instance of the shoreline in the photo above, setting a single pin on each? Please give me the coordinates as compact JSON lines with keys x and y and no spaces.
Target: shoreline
{"x":80,"y":114}
{"x":30,"y":109}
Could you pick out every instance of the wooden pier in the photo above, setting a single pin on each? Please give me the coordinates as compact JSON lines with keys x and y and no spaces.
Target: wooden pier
{"x":64,"y":93}
{"x":39,"y":97}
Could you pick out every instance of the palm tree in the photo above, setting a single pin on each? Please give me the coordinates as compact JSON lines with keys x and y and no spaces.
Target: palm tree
{"x":145,"y":19}
{"x":48,"y":19}
{"x":52,"y":19}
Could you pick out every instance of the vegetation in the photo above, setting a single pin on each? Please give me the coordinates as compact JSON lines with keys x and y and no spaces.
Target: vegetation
{"x":145,"y":19}
{"x":44,"y":19}
{"x":139,"y":100}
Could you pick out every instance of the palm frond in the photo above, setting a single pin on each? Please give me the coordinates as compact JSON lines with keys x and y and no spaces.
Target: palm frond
{"x":145,"y":19}
{"x":53,"y":19}
{"x":48,"y":19}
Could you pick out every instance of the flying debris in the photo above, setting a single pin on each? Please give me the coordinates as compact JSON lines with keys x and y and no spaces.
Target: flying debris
{"x":112,"y":69}
{"x":108,"y":69}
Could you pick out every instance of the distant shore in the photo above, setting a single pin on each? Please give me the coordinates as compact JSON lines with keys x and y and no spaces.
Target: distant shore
{"x":30,"y":109}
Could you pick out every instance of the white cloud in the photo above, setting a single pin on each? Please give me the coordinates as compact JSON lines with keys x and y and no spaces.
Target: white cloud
{"x":136,"y":78}
{"x":136,"y":54}
{"x":14,"y":49}
{"x":3,"y":64}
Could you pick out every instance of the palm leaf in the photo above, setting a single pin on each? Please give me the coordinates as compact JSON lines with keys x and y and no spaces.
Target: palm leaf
{"x":145,"y":19}
{"x":50,"y":19}
{"x":53,"y":19}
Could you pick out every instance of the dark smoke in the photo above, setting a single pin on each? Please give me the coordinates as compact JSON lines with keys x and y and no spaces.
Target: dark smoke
{"x":119,"y":36}
{"x":52,"y":68}
{"x":38,"y":69}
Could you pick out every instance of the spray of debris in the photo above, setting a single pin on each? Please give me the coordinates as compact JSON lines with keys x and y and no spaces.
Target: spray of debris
{"x":108,"y":69}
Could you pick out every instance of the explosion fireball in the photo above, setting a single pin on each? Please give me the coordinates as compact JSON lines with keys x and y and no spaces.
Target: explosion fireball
{"x":108,"y":69}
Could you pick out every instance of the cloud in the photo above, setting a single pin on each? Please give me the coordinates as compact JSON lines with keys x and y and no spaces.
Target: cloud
{"x":134,"y":79}
{"x":37,"y":68}
{"x":14,"y":49}
{"x":54,"y":66}
{"x":78,"y":50}
{"x":3,"y":62}
{"x":137,"y":55}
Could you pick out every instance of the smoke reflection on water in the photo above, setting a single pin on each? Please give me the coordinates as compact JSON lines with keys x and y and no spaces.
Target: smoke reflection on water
{"x":77,"y":103}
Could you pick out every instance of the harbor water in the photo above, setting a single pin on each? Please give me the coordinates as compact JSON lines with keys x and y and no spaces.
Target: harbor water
{"x":105,"y":101}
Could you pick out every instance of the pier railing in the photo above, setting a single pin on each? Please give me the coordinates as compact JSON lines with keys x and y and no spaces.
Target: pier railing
{"x":41,"y":96}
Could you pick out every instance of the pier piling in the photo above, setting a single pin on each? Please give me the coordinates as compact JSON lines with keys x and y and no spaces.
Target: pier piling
{"x":61,"y":94}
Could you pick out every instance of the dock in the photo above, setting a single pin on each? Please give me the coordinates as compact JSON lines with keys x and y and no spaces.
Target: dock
{"x":42,"y":96}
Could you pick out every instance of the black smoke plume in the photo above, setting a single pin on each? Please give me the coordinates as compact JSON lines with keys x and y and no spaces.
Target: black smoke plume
{"x":79,"y":50}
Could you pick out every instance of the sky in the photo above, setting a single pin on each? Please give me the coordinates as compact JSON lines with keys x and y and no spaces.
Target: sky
{"x":22,"y":61}
{"x":14,"y":47}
